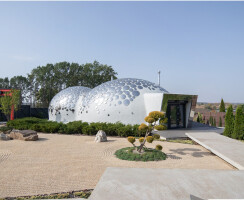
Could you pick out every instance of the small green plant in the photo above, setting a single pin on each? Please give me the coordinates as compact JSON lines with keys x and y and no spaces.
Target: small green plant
{"x":149,"y":139}
{"x":156,"y":136}
{"x":131,"y":139}
{"x":158,"y":147}
{"x":160,"y":127}
{"x":141,"y":139}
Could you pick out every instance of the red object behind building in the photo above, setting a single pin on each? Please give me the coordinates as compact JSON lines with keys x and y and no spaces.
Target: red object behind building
{"x":3,"y":93}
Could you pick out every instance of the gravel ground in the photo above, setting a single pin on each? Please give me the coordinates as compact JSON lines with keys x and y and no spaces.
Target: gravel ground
{"x":62,"y":163}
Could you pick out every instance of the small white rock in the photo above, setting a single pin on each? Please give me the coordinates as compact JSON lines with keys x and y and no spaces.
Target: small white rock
{"x":101,"y":136}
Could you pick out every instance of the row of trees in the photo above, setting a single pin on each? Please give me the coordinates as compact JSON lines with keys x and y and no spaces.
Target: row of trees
{"x":44,"y":82}
{"x":234,"y":125}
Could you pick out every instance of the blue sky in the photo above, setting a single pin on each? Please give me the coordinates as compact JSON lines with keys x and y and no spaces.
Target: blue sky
{"x":198,"y":46}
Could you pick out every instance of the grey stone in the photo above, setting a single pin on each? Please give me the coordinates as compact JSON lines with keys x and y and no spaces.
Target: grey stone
{"x":230,"y":150}
{"x":169,"y":184}
{"x":26,"y":135}
{"x":4,"y":136}
{"x":101,"y":136}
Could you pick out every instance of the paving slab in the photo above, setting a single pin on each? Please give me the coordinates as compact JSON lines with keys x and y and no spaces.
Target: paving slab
{"x":181,"y":132}
{"x":230,"y":150}
{"x":168,"y":184}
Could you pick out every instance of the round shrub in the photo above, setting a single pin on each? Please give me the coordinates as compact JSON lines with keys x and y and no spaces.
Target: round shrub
{"x":149,"y":119}
{"x":149,"y":139}
{"x":158,"y":147}
{"x":156,"y":115}
{"x":131,"y":139}
{"x":148,"y":155}
{"x":156,"y":136}
{"x":164,"y":121}
{"x":160,"y":127}
{"x":143,"y":127}
{"x":141,"y":139}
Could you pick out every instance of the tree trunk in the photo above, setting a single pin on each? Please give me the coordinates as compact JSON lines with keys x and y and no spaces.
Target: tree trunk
{"x":143,"y":143}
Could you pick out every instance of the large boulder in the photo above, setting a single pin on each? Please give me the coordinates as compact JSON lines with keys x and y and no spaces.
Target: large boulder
{"x":101,"y":136}
{"x":4,"y":136}
{"x":26,"y":135}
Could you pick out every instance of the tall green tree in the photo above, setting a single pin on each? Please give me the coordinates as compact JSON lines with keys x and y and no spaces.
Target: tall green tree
{"x":4,"y":83}
{"x":238,"y":132}
{"x":44,"y":82}
{"x":9,"y":100}
{"x":21,"y":83}
{"x":220,"y":122}
{"x":222,"y":106}
{"x":199,"y":118}
{"x":229,"y":122}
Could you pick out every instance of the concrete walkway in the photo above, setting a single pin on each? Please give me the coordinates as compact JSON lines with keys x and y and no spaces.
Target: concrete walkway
{"x":168,"y":184}
{"x":181,"y":133}
{"x":230,"y":150}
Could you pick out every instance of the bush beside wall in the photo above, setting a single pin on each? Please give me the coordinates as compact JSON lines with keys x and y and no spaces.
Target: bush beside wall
{"x":76,"y":127}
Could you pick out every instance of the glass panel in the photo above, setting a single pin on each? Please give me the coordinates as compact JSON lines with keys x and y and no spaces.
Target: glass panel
{"x":176,"y":116}
{"x":173,"y":116}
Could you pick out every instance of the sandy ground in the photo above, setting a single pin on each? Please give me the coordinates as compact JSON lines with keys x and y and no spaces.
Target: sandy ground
{"x":61,"y":163}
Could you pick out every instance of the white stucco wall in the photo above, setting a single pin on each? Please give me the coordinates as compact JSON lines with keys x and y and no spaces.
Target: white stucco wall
{"x":188,"y":111}
{"x":153,"y":102}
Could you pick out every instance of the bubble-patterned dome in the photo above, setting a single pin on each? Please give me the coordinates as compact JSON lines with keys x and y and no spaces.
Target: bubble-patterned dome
{"x":118,"y":92}
{"x":126,"y":100}
{"x":65,"y":102}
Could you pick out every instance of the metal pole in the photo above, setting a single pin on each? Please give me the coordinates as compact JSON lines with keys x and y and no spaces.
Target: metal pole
{"x":158,"y":77}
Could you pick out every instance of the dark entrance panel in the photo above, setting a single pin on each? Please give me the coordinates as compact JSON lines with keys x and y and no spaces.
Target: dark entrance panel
{"x":176,"y":114}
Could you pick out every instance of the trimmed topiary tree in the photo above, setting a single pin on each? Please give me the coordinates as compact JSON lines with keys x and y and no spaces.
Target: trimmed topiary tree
{"x":222,"y":106}
{"x":238,"y":132}
{"x":229,"y":122}
{"x":154,"y":119}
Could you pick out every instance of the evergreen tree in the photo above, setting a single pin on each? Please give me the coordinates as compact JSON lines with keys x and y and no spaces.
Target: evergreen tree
{"x":211,"y":121}
{"x":238,"y":132}
{"x":214,"y":122}
{"x":229,"y":122}
{"x":222,"y":106}
{"x":198,"y":119}
{"x":220,"y":122}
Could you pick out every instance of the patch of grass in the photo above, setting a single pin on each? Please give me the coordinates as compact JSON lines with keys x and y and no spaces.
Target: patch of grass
{"x":78,"y":194}
{"x":148,"y":155}
{"x":182,"y":141}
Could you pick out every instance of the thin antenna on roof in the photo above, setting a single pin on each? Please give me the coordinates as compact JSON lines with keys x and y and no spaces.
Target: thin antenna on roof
{"x":158,"y":77}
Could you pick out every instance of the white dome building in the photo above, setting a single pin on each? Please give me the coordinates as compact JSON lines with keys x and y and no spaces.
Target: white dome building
{"x":62,"y":106}
{"x":126,"y":100}
{"x":122,"y":100}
